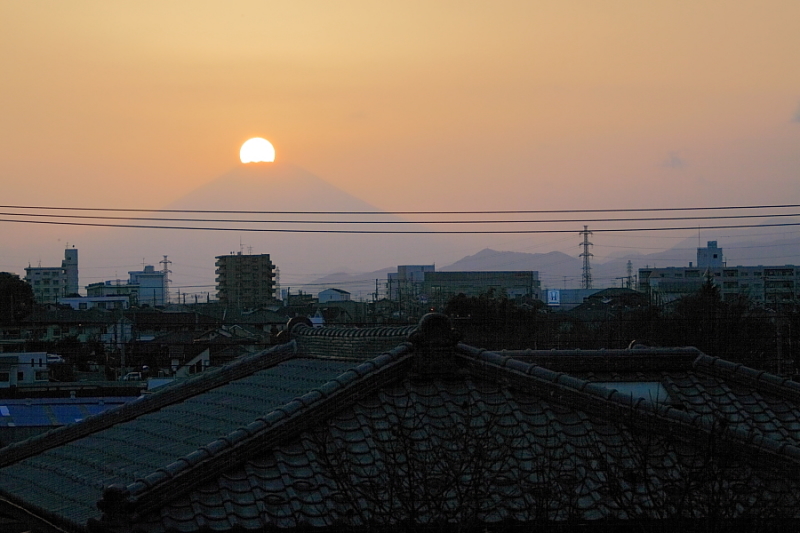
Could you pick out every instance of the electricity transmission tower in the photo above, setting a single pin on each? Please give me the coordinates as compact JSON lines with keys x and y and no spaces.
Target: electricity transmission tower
{"x":586,"y":278}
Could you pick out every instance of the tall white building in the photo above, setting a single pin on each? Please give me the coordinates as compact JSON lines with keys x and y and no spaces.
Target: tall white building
{"x":51,"y":283}
{"x":148,"y":286}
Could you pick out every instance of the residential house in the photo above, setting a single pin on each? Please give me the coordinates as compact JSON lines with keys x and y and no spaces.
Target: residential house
{"x":386,"y":429}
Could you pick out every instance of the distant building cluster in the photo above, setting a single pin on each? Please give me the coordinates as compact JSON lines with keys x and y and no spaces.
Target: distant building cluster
{"x":766,"y":284}
{"x":250,"y":282}
{"x":60,"y":285}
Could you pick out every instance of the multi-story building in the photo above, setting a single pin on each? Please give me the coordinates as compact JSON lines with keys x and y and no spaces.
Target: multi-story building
{"x":768,"y":284}
{"x":245,"y":281}
{"x":407,"y":281}
{"x":51,"y":283}
{"x":143,"y":287}
{"x":439,"y":287}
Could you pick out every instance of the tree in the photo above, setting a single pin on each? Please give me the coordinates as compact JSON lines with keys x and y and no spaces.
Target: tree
{"x":16,"y":298}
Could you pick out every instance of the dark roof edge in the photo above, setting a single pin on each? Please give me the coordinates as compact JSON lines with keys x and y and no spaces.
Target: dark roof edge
{"x":45,"y":521}
{"x":629,"y":360}
{"x":758,"y":379}
{"x":305,"y":412}
{"x":207,"y":380}
{"x":381,"y":332}
{"x":603,"y":402}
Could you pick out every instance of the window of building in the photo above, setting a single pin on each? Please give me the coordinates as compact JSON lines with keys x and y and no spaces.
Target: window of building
{"x":4,"y":377}
{"x":730,"y":273}
{"x":692,"y":273}
{"x":41,"y":375}
{"x":20,"y":376}
{"x":730,"y":285}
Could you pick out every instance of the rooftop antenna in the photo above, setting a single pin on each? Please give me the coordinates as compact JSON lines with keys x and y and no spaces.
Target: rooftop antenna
{"x":586,"y":278}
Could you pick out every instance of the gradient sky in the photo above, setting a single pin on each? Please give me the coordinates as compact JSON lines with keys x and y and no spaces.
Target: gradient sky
{"x":407,"y":105}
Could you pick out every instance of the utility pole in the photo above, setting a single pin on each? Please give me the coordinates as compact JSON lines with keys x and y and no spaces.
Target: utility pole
{"x":629,"y":280}
{"x":166,"y":271}
{"x":586,"y":278}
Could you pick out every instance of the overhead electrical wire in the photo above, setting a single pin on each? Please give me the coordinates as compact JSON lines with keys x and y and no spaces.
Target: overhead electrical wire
{"x":399,"y":232}
{"x":551,"y":221}
{"x":40,"y":215}
{"x":551,"y":211}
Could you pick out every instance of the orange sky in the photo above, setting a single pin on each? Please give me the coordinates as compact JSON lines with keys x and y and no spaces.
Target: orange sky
{"x":509,"y":105}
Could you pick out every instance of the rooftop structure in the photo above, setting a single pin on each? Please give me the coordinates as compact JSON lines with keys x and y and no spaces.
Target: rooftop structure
{"x":376,"y":427}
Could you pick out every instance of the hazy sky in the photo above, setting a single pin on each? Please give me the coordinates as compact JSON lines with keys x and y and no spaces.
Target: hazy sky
{"x":407,"y":105}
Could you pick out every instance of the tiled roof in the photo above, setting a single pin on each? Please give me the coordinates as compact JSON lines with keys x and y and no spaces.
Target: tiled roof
{"x":431,"y":430}
{"x":580,"y":466}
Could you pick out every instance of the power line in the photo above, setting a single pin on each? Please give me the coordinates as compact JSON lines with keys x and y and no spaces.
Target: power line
{"x":552,"y":221}
{"x":550,"y":211}
{"x":407,"y":232}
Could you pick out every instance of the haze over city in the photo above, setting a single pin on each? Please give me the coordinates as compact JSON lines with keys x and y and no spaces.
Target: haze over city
{"x":449,"y":106}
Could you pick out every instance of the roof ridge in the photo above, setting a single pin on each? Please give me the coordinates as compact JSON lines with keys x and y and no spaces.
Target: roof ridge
{"x":372,"y":331}
{"x":601,"y":401}
{"x":146,"y":493}
{"x":202,"y":382}
{"x":619,"y":360}
{"x":761,"y":380}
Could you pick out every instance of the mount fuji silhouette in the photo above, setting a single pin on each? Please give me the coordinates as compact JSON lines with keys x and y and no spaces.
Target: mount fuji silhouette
{"x":280,"y":189}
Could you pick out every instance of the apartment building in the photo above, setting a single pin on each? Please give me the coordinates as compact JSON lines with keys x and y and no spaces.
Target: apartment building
{"x":245,"y":281}
{"x":51,"y":283}
{"x":768,"y":284}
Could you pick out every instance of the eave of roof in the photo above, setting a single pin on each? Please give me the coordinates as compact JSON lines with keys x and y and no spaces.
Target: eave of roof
{"x":302,"y":413}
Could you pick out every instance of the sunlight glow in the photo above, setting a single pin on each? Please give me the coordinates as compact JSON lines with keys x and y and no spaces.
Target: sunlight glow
{"x":257,"y":150}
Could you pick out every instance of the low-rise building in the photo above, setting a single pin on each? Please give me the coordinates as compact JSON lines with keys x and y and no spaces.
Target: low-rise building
{"x":23,"y":369}
{"x":333,"y":295}
{"x":82,"y":303}
{"x":143,"y":287}
{"x":439,"y":287}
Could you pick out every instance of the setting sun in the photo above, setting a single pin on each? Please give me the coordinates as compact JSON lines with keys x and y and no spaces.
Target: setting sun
{"x":257,"y":150}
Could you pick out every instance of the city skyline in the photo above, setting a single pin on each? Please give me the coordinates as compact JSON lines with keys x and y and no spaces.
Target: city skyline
{"x":451,"y":106}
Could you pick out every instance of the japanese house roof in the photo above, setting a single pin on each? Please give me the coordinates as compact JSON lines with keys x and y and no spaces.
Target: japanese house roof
{"x":239,"y":448}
